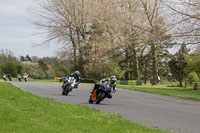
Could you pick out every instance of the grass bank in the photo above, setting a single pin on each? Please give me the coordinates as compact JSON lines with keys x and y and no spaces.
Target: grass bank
{"x":23,"y":112}
{"x":180,"y":92}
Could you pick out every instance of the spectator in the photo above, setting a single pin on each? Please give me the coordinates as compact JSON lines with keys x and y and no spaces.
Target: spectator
{"x":25,"y":77}
{"x":10,"y":77}
{"x":19,"y":77}
{"x":4,"y":76}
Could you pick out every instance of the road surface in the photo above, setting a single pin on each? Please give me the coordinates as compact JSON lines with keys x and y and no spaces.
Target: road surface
{"x":155,"y":111}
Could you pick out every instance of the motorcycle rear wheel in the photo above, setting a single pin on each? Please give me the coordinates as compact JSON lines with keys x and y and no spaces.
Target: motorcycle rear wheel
{"x":90,"y":100}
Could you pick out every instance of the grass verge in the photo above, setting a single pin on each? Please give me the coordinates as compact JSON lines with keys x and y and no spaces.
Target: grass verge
{"x":186,"y":93}
{"x":23,"y":112}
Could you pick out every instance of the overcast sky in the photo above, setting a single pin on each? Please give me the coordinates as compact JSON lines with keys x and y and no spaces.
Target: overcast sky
{"x":16,"y":31}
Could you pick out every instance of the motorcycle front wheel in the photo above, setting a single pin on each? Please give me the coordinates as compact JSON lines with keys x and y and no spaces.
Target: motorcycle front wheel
{"x":65,"y":90}
{"x":100,"y":97}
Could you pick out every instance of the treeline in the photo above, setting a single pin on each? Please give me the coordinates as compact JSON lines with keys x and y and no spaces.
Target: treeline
{"x":181,"y":66}
{"x":37,"y":68}
{"x":132,"y":39}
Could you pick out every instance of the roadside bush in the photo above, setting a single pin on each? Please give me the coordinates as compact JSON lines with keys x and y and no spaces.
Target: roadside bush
{"x":113,"y":68}
{"x":61,"y":71}
{"x":193,"y":77}
{"x":34,"y":70}
{"x":20,"y":68}
{"x":51,"y":74}
{"x":9,"y":68}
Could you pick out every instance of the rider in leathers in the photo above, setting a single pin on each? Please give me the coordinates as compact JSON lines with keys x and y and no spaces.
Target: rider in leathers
{"x":76,"y":76}
{"x":111,"y":81}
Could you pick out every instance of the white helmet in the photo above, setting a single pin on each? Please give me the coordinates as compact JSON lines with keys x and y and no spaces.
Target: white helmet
{"x":77,"y":73}
{"x":113,"y":79}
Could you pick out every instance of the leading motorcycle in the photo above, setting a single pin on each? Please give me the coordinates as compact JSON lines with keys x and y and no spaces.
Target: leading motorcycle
{"x":99,"y":93}
{"x":68,"y":85}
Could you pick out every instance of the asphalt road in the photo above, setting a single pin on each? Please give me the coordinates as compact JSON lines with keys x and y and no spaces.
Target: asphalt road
{"x":155,"y":111}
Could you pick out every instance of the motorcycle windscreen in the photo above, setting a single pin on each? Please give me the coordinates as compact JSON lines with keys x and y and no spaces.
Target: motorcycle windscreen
{"x":107,"y":87}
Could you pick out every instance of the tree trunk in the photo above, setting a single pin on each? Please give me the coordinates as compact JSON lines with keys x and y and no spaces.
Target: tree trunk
{"x":145,"y":73}
{"x":75,"y":58}
{"x":155,"y":65}
{"x":136,"y":63}
{"x":74,"y":48}
{"x":181,"y":84}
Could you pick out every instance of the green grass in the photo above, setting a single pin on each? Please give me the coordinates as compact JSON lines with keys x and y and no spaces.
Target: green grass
{"x":24,"y":112}
{"x":180,"y":92}
{"x":35,"y":80}
{"x":13,"y":79}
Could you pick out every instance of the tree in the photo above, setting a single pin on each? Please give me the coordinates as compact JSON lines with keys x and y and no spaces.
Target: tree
{"x":6,"y":55}
{"x":35,"y":59}
{"x":44,"y":66}
{"x":65,"y":22}
{"x":22,"y":58}
{"x":61,"y":71}
{"x":156,"y":32}
{"x":186,"y":16}
{"x":34,"y":70}
{"x":95,"y":33}
{"x":193,"y":77}
{"x":28,"y":58}
{"x":113,"y":68}
{"x":9,"y":68}
{"x":20,"y":68}
{"x":178,"y":65}
{"x":51,"y":73}
{"x":193,"y":63}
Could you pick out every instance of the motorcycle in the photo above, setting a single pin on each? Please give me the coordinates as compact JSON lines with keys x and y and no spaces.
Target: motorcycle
{"x":76,"y":85}
{"x":99,"y":93}
{"x":68,"y":85}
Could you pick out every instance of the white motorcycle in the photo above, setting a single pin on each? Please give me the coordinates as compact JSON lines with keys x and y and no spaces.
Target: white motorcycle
{"x":68,"y":85}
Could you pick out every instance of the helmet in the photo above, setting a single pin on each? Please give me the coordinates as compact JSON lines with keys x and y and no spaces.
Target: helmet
{"x":107,"y":79}
{"x":113,"y":79}
{"x":77,"y":72}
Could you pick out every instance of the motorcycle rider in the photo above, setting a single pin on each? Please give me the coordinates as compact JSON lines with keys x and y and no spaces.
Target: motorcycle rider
{"x":4,"y":76}
{"x":76,"y":76}
{"x":111,"y":81}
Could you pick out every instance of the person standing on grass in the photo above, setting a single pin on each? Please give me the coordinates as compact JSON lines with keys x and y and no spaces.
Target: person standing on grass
{"x":19,"y":77}
{"x":4,"y":76}
{"x":25,"y":77}
{"x":10,"y":77}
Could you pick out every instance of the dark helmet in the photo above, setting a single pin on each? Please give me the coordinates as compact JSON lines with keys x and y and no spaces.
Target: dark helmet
{"x":113,"y":79}
{"x":107,"y":79}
